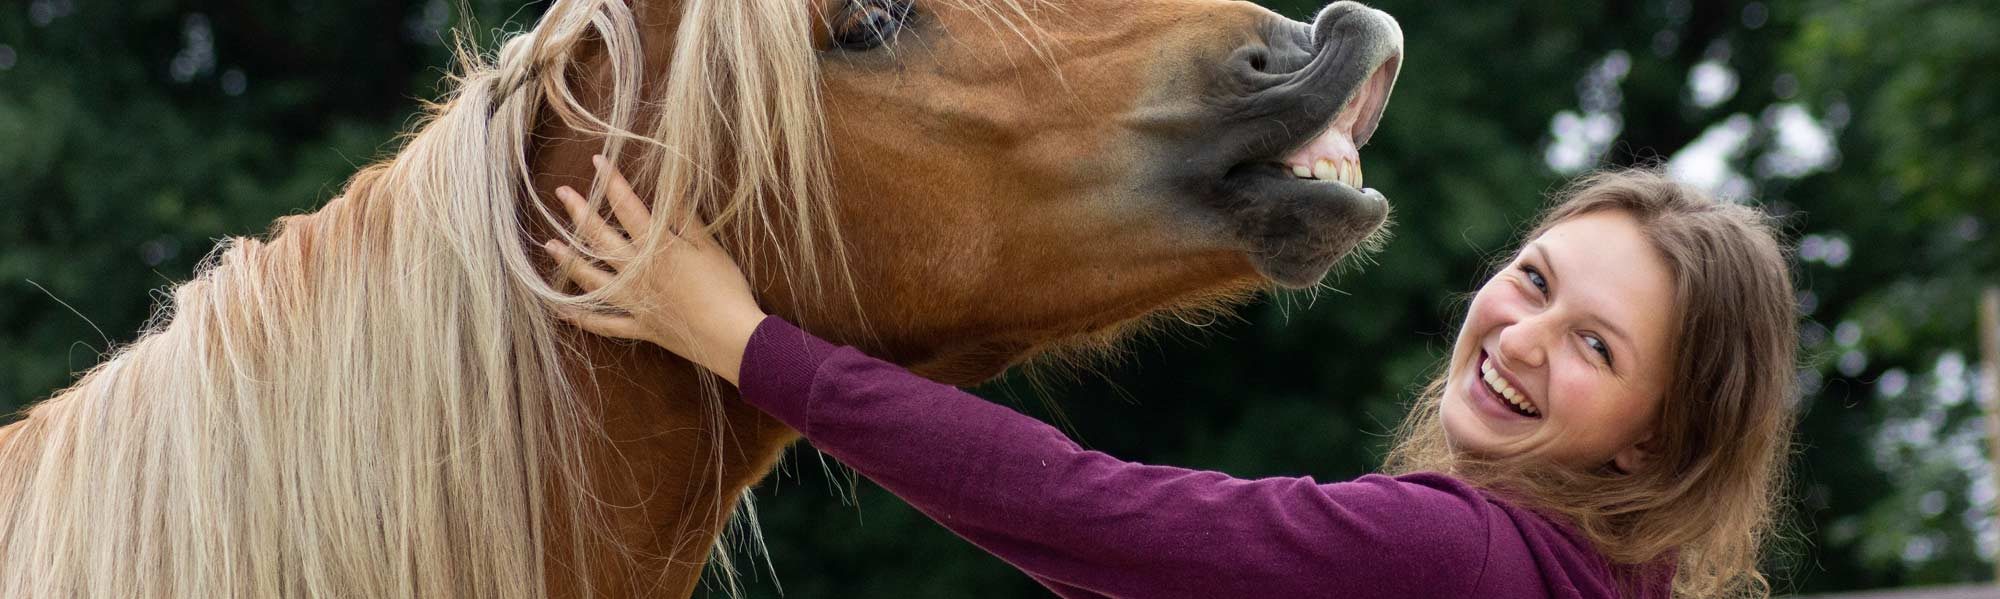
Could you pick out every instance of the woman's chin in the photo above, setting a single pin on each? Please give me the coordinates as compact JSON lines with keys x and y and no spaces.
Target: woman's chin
{"x":1467,"y":430}
{"x":1462,"y":426}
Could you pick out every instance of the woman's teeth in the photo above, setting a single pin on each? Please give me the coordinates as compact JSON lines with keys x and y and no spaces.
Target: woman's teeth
{"x":1506,"y":390}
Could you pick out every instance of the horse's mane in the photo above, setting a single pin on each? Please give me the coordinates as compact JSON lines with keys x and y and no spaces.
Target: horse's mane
{"x":374,"y":401}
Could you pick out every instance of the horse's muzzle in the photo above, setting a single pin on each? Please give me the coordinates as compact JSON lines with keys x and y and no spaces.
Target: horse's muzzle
{"x":1286,"y":165}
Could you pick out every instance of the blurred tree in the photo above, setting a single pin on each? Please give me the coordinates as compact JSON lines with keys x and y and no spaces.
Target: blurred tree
{"x":1898,"y":242}
{"x":139,"y":133}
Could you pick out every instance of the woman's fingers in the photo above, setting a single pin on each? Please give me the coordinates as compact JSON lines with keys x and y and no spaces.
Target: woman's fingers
{"x":591,"y":228}
{"x":625,"y":204}
{"x":624,"y":327}
{"x":633,"y":214}
{"x":573,"y":266}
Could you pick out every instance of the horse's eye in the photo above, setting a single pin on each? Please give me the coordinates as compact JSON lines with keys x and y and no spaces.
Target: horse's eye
{"x":869,"y":24}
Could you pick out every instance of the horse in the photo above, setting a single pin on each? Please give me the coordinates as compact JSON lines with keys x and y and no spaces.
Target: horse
{"x":377,"y":399}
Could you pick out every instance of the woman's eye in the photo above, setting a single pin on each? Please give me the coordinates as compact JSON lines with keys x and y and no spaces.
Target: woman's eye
{"x":869,"y":24}
{"x":1599,"y":346}
{"x":1535,"y":278}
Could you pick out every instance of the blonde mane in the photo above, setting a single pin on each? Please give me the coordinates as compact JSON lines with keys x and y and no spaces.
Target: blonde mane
{"x":376,"y":401}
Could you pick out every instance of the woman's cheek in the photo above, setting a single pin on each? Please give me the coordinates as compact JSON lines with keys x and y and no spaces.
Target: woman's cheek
{"x":1577,"y":394}
{"x":1504,"y":296}
{"x":1500,"y":291}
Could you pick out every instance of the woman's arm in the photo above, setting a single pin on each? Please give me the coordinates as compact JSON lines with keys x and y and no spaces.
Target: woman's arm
{"x":1081,"y":522}
{"x":1021,"y":490}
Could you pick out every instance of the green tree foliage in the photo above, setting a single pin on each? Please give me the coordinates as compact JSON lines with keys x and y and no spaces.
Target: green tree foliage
{"x":133,"y":135}
{"x":1896,"y":476}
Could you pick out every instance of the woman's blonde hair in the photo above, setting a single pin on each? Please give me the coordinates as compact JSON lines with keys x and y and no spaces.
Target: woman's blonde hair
{"x":1711,"y":498}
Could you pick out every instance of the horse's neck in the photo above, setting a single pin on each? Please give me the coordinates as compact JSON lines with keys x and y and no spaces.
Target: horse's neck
{"x":672,"y":464}
{"x":674,"y":458}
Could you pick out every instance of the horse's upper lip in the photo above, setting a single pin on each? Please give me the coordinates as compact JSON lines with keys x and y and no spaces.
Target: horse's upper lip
{"x":1370,"y":45}
{"x":1322,"y":96}
{"x":1331,"y":106}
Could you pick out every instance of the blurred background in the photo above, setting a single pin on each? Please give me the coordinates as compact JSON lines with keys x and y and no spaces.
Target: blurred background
{"x":134,"y":134}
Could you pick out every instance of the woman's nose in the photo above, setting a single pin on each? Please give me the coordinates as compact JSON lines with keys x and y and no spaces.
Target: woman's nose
{"x":1525,"y":344}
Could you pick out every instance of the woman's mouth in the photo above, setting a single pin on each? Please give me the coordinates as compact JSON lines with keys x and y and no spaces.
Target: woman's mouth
{"x":1495,"y":389}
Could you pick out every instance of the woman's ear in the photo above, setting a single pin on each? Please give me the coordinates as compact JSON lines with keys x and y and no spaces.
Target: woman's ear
{"x":1636,"y":457}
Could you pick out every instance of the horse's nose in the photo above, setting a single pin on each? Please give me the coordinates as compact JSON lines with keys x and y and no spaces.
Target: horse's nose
{"x":1289,"y":47}
{"x":1343,"y":23}
{"x":1286,"y":47}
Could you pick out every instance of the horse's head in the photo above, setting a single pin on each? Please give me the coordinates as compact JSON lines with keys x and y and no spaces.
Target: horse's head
{"x":1011,"y":179}
{"x":1005,"y":176}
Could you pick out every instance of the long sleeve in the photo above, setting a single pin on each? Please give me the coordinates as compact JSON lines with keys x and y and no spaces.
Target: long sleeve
{"x":1086,"y":524}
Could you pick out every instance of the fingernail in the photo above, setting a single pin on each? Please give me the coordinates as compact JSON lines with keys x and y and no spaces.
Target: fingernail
{"x":598,"y":159}
{"x":565,"y":191}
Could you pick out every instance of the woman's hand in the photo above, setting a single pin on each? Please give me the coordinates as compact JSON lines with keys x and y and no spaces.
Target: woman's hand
{"x":691,"y":298}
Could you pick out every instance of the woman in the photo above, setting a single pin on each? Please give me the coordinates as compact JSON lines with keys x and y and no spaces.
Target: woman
{"x":1612,"y":421}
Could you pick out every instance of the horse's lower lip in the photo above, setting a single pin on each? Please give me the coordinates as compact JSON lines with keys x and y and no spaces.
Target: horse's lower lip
{"x":1296,"y":230}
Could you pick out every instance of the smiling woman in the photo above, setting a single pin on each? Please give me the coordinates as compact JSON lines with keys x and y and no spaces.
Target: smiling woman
{"x":1632,"y":370}
{"x":1571,"y":360}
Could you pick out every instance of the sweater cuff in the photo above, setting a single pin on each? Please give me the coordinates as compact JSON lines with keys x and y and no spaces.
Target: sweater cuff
{"x":778,"y":368}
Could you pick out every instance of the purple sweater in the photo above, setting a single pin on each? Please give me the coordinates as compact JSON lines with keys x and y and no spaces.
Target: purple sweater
{"x":1088,"y":525}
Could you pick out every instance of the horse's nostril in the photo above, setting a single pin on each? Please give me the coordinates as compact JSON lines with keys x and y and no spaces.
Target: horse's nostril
{"x":1258,"y":62}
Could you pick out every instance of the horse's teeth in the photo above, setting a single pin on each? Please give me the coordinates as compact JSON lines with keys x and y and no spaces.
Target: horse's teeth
{"x":1329,"y":169}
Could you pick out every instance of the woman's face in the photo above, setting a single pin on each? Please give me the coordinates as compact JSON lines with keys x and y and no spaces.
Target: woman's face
{"x":1575,"y":330}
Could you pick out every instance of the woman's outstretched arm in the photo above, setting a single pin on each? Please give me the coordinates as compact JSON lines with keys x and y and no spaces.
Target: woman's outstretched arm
{"x":1023,"y":491}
